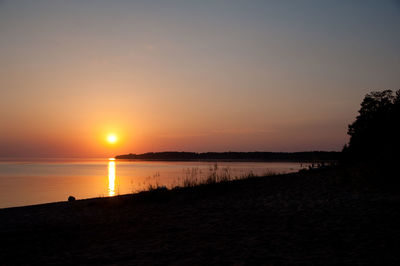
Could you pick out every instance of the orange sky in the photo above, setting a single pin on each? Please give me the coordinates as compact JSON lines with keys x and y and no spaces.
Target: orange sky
{"x":188,"y":76}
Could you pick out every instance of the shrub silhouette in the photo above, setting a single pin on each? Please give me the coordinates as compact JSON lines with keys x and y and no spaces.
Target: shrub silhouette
{"x":375,"y":135}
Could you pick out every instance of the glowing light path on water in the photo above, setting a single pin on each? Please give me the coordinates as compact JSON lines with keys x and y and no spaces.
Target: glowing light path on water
{"x":111,"y":177}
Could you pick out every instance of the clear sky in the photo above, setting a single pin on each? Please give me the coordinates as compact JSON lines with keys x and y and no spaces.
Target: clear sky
{"x":189,"y":75}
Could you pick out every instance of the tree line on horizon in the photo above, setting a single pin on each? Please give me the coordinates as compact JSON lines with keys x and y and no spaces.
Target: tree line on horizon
{"x":234,"y":156}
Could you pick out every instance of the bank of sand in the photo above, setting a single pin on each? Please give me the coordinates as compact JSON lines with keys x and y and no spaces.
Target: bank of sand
{"x":314,"y":217}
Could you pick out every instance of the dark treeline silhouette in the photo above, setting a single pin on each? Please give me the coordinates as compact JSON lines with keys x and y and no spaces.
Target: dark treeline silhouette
{"x":375,"y":134}
{"x":312,"y":156}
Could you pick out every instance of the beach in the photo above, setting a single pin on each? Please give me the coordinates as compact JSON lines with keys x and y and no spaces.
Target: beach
{"x":311,"y":217}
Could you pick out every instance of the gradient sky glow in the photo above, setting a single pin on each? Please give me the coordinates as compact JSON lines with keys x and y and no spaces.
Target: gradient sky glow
{"x":189,"y":75}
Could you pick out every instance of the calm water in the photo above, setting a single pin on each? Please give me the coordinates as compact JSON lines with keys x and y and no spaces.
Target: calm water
{"x":47,"y":180}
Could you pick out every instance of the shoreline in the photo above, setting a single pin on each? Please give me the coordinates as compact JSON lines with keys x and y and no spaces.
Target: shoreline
{"x":134,"y":179}
{"x":140,"y":193}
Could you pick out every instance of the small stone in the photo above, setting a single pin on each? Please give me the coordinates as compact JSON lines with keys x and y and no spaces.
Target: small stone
{"x":71,"y":198}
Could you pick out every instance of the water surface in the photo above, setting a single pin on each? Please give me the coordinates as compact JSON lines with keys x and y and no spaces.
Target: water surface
{"x":26,"y":182}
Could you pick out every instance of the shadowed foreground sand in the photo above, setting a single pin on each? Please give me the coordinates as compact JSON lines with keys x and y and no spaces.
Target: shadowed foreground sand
{"x":310,"y":218}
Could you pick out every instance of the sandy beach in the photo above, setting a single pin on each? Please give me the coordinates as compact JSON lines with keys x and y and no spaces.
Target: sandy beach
{"x":312,"y":217}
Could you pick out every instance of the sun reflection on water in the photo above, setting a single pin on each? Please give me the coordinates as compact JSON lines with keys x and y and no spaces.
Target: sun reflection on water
{"x":111,"y":177}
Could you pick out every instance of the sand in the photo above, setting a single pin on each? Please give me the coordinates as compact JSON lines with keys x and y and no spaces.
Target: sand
{"x":312,"y":217}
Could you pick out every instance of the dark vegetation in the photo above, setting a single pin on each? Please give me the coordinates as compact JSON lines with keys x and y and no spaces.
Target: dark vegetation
{"x":375,"y":134}
{"x":375,"y":138}
{"x":313,"y":156}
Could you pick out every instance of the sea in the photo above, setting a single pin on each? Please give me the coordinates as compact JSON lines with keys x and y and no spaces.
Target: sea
{"x":30,"y":181}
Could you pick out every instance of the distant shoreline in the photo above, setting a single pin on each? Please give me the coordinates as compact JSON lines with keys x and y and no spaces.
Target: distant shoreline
{"x":226,"y":160}
{"x":313,"y":156}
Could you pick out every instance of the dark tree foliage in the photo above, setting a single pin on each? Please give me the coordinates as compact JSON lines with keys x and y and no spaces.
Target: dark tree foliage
{"x":375,"y":135}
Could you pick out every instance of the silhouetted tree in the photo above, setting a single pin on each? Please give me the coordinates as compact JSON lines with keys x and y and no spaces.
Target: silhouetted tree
{"x":375,"y":135}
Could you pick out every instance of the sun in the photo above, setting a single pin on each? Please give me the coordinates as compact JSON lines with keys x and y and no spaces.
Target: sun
{"x":112,"y":138}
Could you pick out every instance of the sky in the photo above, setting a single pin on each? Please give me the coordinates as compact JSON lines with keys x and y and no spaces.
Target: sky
{"x":189,"y":75}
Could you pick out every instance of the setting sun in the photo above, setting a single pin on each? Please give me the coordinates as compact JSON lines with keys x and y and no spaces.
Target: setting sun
{"x":111,"y":139}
